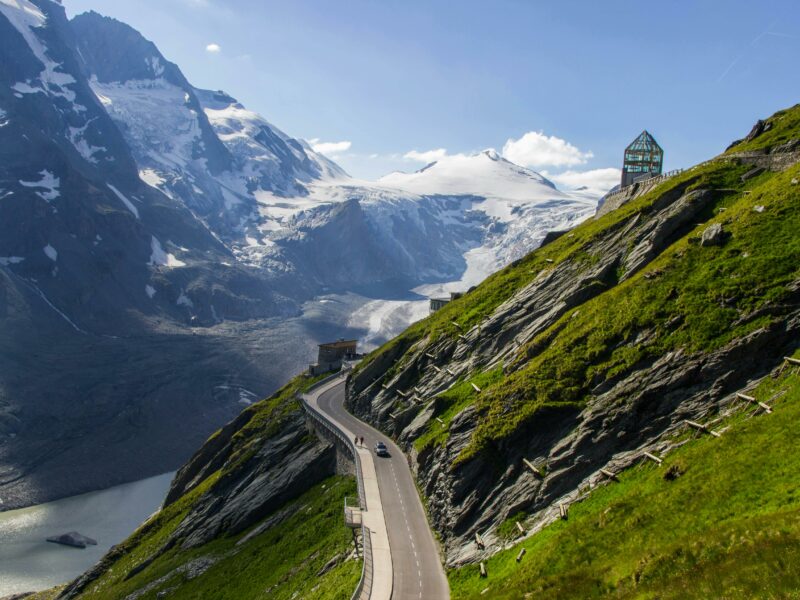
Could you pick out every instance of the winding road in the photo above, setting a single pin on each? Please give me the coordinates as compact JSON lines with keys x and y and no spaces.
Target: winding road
{"x":415,"y":565}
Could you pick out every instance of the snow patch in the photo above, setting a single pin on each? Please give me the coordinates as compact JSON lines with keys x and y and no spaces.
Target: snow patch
{"x":155,"y":65}
{"x":159,"y":257}
{"x":26,"y":88}
{"x":49,"y":183}
{"x":128,"y":204}
{"x":150,"y":291}
{"x":10,"y":260}
{"x":77,"y":135}
{"x":151,"y":178}
{"x":28,"y":19}
{"x":184,"y":300}
{"x":51,"y":252}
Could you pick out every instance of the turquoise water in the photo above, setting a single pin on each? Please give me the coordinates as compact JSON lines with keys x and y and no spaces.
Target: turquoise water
{"x":29,"y":563}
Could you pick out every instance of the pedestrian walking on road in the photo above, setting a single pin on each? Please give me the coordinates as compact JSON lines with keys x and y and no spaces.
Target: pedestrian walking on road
{"x":362,"y":440}
{"x":356,"y":441}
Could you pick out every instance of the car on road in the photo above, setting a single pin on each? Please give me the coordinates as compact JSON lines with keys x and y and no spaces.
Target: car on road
{"x":381,"y":449}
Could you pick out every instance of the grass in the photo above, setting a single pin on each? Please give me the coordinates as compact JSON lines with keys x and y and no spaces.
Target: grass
{"x":281,"y":563}
{"x":451,"y":403}
{"x":785,"y":127}
{"x":728,"y":527}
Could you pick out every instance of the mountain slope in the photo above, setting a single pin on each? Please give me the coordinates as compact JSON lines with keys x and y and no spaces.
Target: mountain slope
{"x":707,"y":523}
{"x":583,"y":354}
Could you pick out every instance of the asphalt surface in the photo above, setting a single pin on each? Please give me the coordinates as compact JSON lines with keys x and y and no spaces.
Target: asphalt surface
{"x":418,"y":572}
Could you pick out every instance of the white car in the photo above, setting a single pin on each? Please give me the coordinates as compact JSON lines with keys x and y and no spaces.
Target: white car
{"x":381,"y":449}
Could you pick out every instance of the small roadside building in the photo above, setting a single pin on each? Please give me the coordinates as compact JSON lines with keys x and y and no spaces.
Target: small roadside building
{"x":438,"y":303}
{"x":332,"y":354}
{"x":644,"y":159}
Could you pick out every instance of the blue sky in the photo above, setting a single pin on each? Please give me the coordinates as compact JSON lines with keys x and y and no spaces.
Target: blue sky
{"x":389,"y":84}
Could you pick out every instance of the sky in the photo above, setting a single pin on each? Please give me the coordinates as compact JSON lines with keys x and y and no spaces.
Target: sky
{"x":560,"y":87}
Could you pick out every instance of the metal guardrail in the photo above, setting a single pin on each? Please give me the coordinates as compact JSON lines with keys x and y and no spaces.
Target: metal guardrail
{"x":364,"y":588}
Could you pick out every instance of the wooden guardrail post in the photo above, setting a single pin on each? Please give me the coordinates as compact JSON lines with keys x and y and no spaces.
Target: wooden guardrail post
{"x":609,"y":474}
{"x":520,"y":527}
{"x":483,"y":569}
{"x":521,"y":554}
{"x":653,"y":457}
{"x":702,"y":428}
{"x":532,"y":467}
{"x":479,"y":541}
{"x":752,"y":400}
{"x":562,"y":509}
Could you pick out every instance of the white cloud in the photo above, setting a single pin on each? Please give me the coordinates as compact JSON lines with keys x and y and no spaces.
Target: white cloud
{"x":214,"y":48}
{"x":329,"y":148}
{"x":535,"y":149}
{"x":428,"y":156}
{"x":598,"y":181}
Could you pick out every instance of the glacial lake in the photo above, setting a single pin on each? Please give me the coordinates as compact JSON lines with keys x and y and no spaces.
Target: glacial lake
{"x":29,"y":563}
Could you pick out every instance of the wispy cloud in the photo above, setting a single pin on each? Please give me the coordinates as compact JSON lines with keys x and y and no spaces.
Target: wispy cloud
{"x":213,"y":48}
{"x":329,"y":148}
{"x":537,"y":150}
{"x":748,"y":48}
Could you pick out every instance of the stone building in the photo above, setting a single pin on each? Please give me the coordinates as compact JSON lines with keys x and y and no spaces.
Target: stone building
{"x":437,"y":303}
{"x":332,"y":354}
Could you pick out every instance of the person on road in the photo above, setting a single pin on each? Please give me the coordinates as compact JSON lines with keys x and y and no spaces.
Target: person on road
{"x":356,"y":441}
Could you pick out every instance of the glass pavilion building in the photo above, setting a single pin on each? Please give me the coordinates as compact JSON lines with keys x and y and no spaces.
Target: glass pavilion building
{"x":643,"y":159}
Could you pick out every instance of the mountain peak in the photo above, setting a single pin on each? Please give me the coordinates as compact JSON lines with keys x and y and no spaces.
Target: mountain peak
{"x":486,"y":174}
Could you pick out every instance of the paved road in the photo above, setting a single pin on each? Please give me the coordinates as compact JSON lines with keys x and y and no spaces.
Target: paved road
{"x":418,"y":572}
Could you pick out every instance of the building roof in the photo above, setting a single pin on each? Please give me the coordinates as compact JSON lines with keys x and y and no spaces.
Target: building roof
{"x":339,"y":344}
{"x":644,"y":142}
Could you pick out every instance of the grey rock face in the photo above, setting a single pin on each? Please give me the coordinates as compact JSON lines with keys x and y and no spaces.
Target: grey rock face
{"x":713,"y":235}
{"x":622,"y":416}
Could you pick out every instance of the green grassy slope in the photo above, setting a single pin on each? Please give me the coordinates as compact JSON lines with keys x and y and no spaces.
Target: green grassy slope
{"x":727,"y":527}
{"x":279,"y":563}
{"x":691,"y":297}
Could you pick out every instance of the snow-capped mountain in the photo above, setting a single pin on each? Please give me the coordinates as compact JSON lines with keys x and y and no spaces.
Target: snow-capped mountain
{"x":485,"y":174}
{"x":200,"y":147}
{"x":155,"y":237}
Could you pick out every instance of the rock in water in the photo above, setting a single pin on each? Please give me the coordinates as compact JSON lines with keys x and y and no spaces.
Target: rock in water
{"x":74,"y":539}
{"x":712,"y":236}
